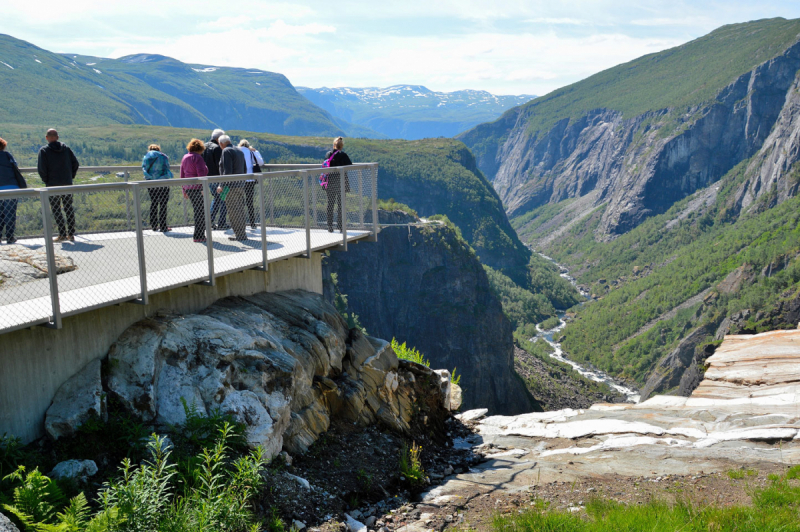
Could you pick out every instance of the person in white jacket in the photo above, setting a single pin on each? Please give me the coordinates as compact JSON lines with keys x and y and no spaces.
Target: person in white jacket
{"x":253,"y":160}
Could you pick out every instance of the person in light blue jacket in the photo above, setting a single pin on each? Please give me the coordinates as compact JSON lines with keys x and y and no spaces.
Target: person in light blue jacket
{"x":155,"y":166}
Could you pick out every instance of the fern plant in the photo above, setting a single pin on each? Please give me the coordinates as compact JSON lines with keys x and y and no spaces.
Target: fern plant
{"x":409,"y":353}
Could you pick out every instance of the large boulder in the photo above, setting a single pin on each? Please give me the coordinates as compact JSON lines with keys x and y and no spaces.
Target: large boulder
{"x":75,"y":402}
{"x":284,"y":364}
{"x":6,"y":525}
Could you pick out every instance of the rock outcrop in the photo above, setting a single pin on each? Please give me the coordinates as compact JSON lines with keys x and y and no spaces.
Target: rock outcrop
{"x":744,"y":414}
{"x":424,"y":286}
{"x":78,"y":399}
{"x":284,"y":364}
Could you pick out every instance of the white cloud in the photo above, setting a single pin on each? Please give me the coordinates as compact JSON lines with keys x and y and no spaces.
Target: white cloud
{"x":513,"y":46}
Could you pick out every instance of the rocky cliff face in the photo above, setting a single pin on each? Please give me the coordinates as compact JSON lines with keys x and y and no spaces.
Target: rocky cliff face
{"x":423,"y":285}
{"x":283,"y":364}
{"x":641,"y":165}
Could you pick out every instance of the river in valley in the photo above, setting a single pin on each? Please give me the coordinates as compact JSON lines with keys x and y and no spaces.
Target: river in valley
{"x":631,"y":395}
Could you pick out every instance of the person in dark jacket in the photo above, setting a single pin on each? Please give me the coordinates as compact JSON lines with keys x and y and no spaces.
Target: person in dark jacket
{"x":211,"y":156}
{"x":57,"y":168}
{"x":10,"y":179}
{"x":334,"y":189}
{"x":232,"y":162}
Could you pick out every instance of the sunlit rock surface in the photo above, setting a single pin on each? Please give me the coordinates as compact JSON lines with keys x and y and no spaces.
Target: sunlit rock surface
{"x":284,"y":364}
{"x":745,"y":412}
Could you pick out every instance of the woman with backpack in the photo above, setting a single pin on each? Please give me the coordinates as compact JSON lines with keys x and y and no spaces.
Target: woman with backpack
{"x":10,"y":179}
{"x":333,"y":188}
{"x":155,"y":166}
{"x":253,"y":161}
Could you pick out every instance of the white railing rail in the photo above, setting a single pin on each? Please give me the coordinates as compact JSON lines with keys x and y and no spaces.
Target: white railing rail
{"x":119,"y":257}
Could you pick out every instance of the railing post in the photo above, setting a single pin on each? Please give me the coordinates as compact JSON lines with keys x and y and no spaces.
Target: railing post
{"x":52,"y":273}
{"x":128,"y":201}
{"x":314,"y":202}
{"x":263,"y":218}
{"x":209,"y":233}
{"x":137,"y":209}
{"x":343,"y":200}
{"x":361,"y":198}
{"x":271,"y":203}
{"x":305,"y":175}
{"x":375,"y":225}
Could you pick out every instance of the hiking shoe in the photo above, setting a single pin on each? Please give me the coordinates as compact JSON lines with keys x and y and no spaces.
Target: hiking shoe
{"x":60,"y":238}
{"x":71,"y":238}
{"x":237,"y":239}
{"x":11,"y":240}
{"x":199,"y":239}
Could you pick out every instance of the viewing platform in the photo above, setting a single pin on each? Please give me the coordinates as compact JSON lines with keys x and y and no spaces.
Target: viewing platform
{"x":117,"y":256}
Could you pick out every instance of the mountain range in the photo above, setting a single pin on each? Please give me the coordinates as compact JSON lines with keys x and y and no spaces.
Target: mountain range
{"x":411,"y":111}
{"x":41,"y":87}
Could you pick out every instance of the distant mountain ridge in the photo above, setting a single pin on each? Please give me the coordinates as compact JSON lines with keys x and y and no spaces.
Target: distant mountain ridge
{"x":41,"y":87}
{"x":640,"y":136}
{"x":412,"y":112}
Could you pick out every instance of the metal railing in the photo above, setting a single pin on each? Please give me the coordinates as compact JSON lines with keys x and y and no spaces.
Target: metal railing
{"x":121,"y":253}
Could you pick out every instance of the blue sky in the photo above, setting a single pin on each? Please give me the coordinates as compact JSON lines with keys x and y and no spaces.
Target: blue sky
{"x":506,"y":47}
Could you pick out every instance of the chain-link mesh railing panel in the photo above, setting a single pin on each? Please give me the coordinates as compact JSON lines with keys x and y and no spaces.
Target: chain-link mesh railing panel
{"x":24,"y":282}
{"x":94,"y":229}
{"x":237,"y":242}
{"x":285,"y":209}
{"x":174,"y":237}
{"x":359,"y":198}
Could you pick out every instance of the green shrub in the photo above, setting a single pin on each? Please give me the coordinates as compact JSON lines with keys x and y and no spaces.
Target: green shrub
{"x":454,"y":378}
{"x":409,"y":353}
{"x":215,"y":495}
{"x":411,"y":464}
{"x":392,"y":205}
{"x":550,"y":323}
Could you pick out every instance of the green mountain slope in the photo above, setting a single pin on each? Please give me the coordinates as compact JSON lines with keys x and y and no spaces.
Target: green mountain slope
{"x":40,"y":87}
{"x":690,"y":268}
{"x":680,"y":78}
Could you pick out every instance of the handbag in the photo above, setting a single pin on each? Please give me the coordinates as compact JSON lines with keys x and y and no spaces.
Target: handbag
{"x":256,"y":166}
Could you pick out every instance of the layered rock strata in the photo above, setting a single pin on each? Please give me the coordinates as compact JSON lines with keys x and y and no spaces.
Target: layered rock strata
{"x":746,"y":412}
{"x":284,"y":364}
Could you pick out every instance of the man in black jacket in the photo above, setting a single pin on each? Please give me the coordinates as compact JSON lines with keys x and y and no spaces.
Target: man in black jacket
{"x":212,"y":156}
{"x":232,"y":163}
{"x":57,"y":168}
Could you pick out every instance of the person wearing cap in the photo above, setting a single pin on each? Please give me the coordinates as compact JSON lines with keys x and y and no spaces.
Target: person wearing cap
{"x":58,"y":167}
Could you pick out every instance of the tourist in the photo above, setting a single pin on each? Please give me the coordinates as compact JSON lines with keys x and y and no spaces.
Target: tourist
{"x":193,"y":165}
{"x":10,"y":179}
{"x":253,"y":160}
{"x":58,"y":168}
{"x":232,"y":162}
{"x":212,"y":155}
{"x":336,"y":157}
{"x":155,"y":166}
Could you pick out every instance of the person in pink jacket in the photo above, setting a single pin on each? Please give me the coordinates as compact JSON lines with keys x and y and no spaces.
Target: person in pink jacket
{"x":193,"y":165}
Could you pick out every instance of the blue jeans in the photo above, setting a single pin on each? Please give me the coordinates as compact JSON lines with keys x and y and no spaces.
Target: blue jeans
{"x":8,"y":217}
{"x":218,"y":206}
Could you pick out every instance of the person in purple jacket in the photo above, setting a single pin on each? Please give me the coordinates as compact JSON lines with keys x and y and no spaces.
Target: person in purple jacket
{"x":193,"y":165}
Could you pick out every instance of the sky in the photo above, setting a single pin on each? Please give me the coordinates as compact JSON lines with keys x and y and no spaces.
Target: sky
{"x":506,"y":47}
